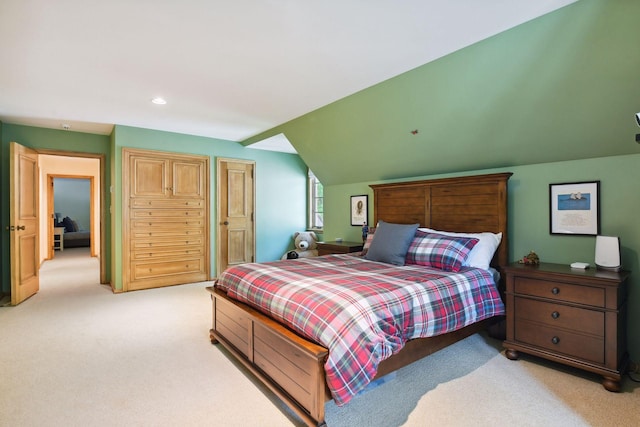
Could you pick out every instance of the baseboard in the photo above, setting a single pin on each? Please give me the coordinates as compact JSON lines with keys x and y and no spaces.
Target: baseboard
{"x":5,"y":300}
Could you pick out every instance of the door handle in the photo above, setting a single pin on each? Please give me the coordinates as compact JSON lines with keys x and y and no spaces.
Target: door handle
{"x":226,"y":223}
{"x":21,"y":227}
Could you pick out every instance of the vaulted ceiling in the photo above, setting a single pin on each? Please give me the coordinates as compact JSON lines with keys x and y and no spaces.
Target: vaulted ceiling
{"x":227,"y":69}
{"x":558,"y":88}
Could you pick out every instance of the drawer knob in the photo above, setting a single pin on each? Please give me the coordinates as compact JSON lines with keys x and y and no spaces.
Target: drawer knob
{"x":555,"y":291}
{"x":555,"y":340}
{"x":555,"y":314}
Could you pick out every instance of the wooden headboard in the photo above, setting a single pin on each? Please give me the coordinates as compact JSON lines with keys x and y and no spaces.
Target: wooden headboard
{"x":469,"y":204}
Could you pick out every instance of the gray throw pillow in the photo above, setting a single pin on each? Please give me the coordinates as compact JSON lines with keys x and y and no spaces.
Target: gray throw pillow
{"x":391,"y":242}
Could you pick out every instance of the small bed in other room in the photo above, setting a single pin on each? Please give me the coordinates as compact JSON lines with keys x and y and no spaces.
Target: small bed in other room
{"x":73,"y":236}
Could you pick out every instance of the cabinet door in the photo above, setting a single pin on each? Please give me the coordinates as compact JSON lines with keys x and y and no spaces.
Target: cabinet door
{"x":148,"y":177}
{"x":188,"y":179}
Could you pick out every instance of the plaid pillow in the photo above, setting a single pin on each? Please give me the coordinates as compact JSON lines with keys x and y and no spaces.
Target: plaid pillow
{"x":433,"y":250}
{"x":367,"y":242}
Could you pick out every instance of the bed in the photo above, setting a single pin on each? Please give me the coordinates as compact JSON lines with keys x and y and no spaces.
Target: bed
{"x":73,"y":236}
{"x":290,"y":361}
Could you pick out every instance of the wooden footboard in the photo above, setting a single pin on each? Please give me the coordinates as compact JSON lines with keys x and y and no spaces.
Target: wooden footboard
{"x":293,"y":367}
{"x":290,"y":366}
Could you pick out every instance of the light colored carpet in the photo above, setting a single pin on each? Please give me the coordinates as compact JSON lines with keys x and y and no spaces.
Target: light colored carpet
{"x":75,"y":354}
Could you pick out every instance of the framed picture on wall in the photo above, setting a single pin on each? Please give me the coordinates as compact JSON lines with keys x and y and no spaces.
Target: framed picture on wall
{"x":574,"y":208}
{"x":359,"y":208}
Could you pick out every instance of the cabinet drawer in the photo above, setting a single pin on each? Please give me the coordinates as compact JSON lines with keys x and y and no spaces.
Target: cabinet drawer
{"x":166,"y":203}
{"x":573,"y":344}
{"x":167,"y":242}
{"x":174,"y":214}
{"x":167,"y":252}
{"x":558,"y":291}
{"x":174,"y":233}
{"x":177,"y":223}
{"x":560,"y":316}
{"x":147,"y":270}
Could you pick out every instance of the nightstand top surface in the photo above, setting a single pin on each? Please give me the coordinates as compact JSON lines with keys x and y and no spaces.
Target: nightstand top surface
{"x":546,"y":267}
{"x":341,"y":243}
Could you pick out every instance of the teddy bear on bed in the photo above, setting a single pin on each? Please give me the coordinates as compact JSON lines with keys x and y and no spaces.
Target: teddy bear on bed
{"x":306,"y":245}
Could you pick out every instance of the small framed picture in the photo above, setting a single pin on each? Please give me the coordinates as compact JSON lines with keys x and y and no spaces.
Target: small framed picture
{"x":574,"y":208}
{"x":359,"y":209}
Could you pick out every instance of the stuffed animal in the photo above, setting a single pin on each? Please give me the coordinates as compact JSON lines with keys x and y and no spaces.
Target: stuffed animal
{"x":531,"y":259}
{"x":306,"y":245}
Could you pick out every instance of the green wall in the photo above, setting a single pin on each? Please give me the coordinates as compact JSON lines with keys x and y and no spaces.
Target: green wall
{"x":529,"y":216}
{"x":280,"y":188}
{"x":52,"y":139}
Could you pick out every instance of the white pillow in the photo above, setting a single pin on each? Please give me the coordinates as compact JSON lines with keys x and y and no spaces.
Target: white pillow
{"x":482,"y":253}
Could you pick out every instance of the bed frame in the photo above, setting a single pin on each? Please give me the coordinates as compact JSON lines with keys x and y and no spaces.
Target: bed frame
{"x":293,"y":367}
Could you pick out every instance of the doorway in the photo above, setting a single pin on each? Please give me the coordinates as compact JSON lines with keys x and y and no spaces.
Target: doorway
{"x":71,"y":212}
{"x":75,"y":167}
{"x":29,"y":207}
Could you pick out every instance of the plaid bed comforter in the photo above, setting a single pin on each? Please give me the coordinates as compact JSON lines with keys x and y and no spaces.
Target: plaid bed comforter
{"x":362,"y":311}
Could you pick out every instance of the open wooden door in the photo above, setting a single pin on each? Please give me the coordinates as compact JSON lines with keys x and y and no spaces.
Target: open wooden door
{"x":236,"y":202}
{"x":24,"y":201}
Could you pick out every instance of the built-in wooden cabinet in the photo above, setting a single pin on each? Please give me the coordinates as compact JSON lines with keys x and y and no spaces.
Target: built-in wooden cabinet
{"x":166,"y":219}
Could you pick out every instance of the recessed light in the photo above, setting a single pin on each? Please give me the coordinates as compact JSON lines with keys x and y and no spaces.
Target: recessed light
{"x":158,"y":101}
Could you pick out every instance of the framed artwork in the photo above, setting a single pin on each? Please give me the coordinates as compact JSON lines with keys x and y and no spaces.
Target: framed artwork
{"x":359,"y":207}
{"x":574,"y":208}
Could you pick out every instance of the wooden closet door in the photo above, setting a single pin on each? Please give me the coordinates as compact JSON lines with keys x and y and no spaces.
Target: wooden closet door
{"x":188,"y":179}
{"x":236,"y":204}
{"x":149,"y":177}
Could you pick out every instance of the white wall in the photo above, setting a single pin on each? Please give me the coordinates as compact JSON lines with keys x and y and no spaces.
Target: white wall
{"x":68,"y":167}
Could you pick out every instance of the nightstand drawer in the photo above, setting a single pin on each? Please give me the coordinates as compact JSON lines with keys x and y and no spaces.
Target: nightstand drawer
{"x":560,"y":316}
{"x":585,"y":347}
{"x":559,"y":291}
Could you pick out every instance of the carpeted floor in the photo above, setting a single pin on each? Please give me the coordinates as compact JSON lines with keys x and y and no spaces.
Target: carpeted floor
{"x":75,"y":354}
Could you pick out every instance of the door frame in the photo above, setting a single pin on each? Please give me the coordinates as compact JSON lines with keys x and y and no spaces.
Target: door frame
{"x":103,"y":203}
{"x":51,"y":211}
{"x":219,"y":224}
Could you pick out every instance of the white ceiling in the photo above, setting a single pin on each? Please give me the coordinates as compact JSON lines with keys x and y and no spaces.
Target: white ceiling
{"x":228,"y":69}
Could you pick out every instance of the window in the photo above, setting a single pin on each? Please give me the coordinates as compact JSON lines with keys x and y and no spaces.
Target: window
{"x":316,"y":203}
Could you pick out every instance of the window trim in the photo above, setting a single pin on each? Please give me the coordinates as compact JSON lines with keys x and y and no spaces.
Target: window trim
{"x":311,"y":202}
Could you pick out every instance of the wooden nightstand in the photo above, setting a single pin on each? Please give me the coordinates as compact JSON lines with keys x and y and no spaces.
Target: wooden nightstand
{"x":58,"y":238}
{"x":576,"y":317}
{"x":326,"y":248}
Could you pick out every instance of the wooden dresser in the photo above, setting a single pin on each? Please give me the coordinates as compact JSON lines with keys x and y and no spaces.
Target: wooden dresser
{"x":165,"y":219}
{"x":326,"y":248}
{"x":572,"y":316}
